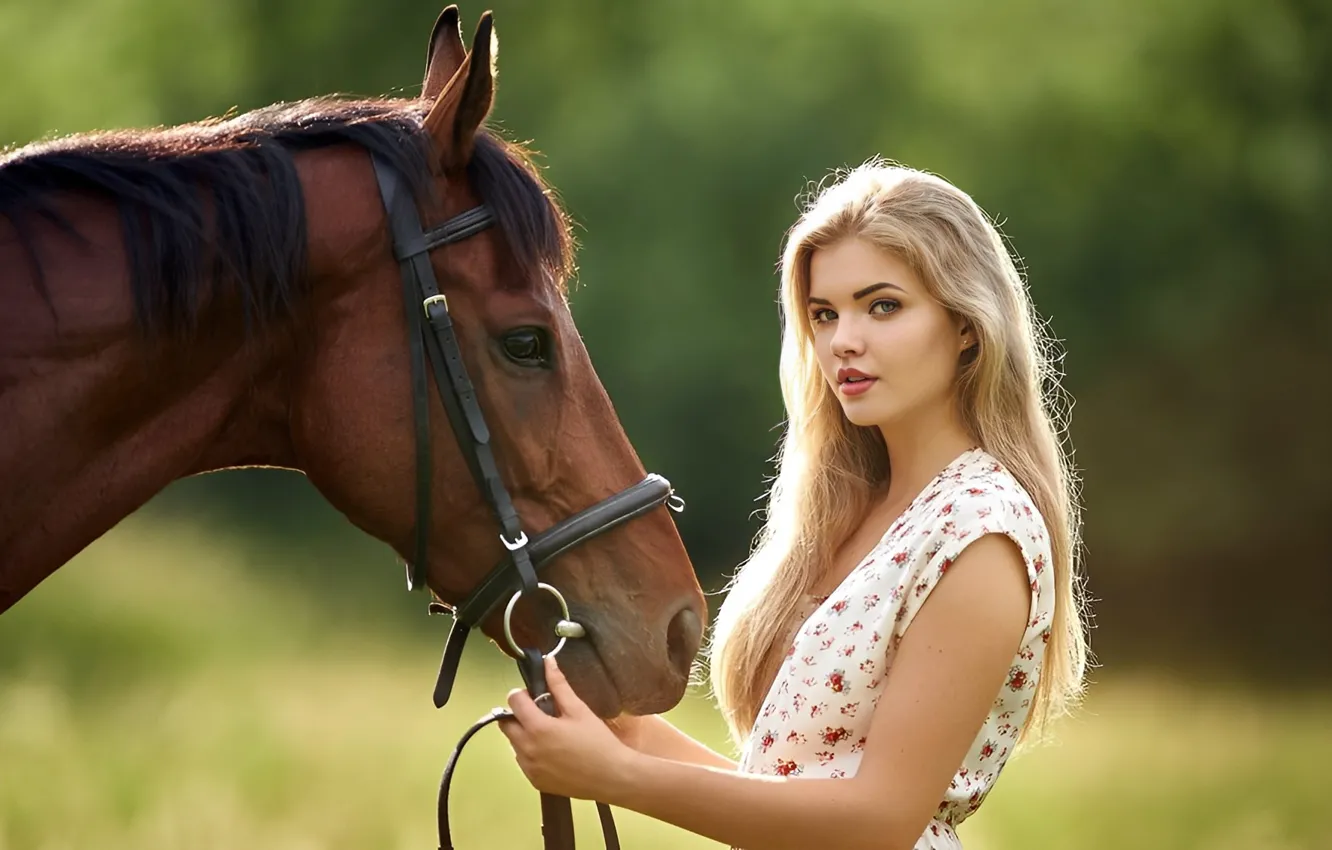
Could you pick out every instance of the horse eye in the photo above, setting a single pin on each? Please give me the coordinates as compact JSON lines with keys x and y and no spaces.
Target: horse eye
{"x":526,"y":347}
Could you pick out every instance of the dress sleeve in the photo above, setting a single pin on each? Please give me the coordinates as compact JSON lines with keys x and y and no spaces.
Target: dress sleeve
{"x":966,"y":517}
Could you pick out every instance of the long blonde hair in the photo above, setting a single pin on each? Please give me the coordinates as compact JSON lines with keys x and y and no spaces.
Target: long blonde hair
{"x":829,"y":469}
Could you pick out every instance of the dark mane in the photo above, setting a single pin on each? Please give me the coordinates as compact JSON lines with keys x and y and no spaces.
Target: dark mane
{"x":240,"y":173}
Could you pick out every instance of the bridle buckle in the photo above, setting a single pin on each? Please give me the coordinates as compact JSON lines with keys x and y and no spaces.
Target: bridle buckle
{"x":435,"y":299}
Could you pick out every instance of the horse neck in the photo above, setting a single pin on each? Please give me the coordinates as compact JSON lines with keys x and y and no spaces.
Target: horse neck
{"x":94,"y":418}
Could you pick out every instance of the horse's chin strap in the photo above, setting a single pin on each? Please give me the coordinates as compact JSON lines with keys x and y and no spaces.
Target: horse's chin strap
{"x":556,"y":813}
{"x":647,"y":495}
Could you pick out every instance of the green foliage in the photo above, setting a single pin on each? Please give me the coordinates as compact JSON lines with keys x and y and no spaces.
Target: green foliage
{"x":1160,"y":167}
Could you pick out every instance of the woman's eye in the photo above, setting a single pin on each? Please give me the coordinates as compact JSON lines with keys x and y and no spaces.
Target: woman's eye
{"x":822,"y":315}
{"x":526,"y":347}
{"x":884,"y":306}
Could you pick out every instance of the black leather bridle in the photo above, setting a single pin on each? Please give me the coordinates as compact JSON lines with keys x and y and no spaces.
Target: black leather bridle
{"x":515,"y":575}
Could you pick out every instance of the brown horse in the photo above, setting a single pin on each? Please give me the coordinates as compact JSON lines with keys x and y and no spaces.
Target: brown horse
{"x":225,"y":294}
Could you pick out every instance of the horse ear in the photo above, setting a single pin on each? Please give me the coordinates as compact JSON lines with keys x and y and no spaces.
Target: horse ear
{"x":465,"y":102}
{"x":444,"y":54}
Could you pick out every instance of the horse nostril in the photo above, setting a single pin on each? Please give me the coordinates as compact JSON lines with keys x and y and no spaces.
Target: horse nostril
{"x":684,"y":635}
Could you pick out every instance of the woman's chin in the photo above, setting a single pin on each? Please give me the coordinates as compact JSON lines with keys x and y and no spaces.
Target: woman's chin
{"x":862,"y":415}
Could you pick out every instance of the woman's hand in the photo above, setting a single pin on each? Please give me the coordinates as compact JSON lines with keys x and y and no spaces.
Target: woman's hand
{"x":572,"y":755}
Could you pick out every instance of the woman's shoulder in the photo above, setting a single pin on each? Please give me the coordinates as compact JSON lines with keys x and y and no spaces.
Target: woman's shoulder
{"x":976,"y":497}
{"x":979,"y":495}
{"x":973,"y":497}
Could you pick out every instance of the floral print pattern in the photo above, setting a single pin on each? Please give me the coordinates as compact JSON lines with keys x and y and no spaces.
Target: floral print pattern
{"x":817,"y":713}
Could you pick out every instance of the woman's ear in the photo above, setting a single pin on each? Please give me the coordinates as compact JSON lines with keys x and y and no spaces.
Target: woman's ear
{"x":966,"y":336}
{"x":968,"y":343}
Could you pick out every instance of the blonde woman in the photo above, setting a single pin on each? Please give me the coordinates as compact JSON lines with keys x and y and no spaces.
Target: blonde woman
{"x":911,"y":610}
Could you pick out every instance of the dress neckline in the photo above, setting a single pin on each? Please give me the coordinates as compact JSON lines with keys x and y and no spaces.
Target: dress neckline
{"x":819,"y":598}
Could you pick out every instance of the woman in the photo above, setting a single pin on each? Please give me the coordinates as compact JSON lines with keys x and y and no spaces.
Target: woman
{"x":911,"y":609}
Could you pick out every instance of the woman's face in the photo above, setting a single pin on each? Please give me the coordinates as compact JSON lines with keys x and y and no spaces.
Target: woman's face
{"x":886,"y":347}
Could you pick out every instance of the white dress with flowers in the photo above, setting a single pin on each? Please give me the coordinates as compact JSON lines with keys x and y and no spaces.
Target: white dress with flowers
{"x":816,"y":717}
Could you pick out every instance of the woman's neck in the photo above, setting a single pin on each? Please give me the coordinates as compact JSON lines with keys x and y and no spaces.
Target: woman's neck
{"x":919,"y":450}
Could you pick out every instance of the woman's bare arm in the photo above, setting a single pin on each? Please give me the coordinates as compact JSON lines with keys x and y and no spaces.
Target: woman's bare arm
{"x":948,"y":668}
{"x":654,"y":735}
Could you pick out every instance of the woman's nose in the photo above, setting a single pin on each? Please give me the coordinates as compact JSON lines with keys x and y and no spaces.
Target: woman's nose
{"x":846,"y":340}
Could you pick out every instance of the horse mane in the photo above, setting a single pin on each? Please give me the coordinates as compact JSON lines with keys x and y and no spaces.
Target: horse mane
{"x":255,"y":235}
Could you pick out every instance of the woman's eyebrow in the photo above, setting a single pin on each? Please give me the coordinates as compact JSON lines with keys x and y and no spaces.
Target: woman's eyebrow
{"x":861,"y":293}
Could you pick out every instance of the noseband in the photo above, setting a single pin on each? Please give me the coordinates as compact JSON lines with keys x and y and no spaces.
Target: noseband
{"x":516,"y":574}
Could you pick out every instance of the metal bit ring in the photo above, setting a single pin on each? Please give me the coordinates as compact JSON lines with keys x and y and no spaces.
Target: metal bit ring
{"x":564,"y":618}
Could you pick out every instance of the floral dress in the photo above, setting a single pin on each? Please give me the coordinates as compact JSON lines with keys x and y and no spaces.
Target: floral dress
{"x":816,"y":716}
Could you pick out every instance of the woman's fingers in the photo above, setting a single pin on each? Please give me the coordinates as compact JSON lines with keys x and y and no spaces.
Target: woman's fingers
{"x":565,"y":699}
{"x":525,"y":711}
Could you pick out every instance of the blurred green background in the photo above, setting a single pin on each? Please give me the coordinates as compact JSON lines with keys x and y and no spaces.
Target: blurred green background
{"x":236,"y":666}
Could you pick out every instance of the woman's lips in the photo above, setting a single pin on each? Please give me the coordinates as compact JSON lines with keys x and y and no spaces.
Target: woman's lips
{"x":858,"y":387}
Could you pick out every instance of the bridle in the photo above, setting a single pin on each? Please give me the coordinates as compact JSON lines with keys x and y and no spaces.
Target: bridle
{"x":516,"y":574}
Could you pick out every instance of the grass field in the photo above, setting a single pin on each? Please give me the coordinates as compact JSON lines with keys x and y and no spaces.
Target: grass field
{"x":160,"y":692}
